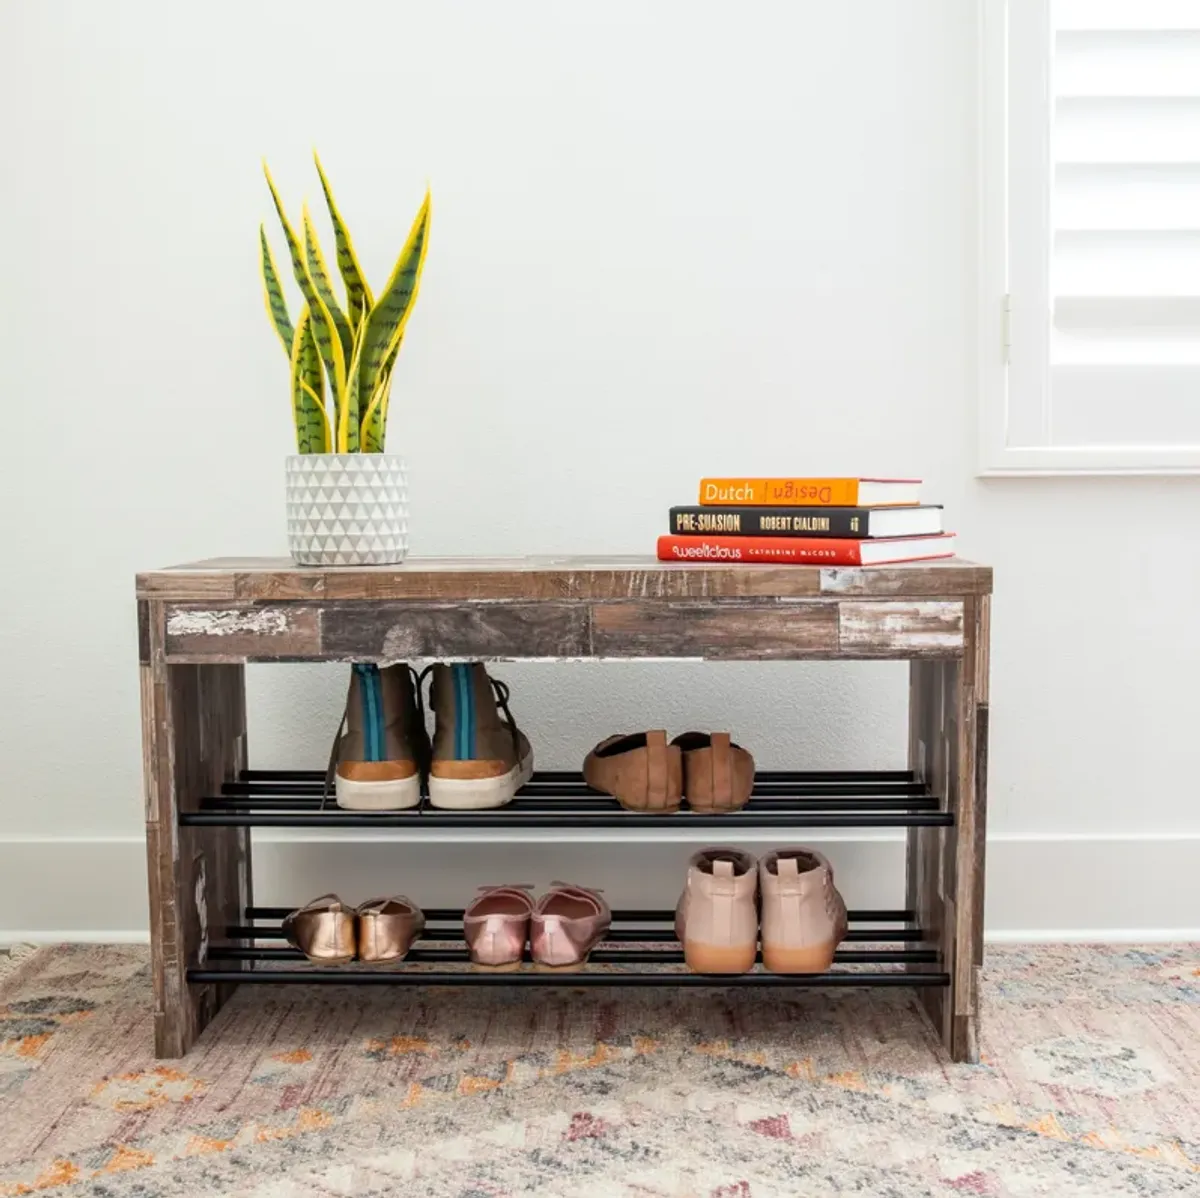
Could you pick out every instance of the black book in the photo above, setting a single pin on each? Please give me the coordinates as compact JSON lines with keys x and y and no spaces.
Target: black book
{"x":862,"y":522}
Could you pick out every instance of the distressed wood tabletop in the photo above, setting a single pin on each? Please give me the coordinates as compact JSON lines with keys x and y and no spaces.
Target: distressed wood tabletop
{"x":238,"y":610}
{"x":255,"y":579}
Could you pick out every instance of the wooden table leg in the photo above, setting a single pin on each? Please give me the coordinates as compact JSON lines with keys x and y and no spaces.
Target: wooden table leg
{"x":193,"y":739}
{"x":948,"y":728}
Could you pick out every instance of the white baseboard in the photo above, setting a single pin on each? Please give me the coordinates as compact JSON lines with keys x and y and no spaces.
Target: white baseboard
{"x":1039,"y":888}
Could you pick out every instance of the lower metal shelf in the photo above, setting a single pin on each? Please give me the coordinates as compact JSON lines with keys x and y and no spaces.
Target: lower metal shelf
{"x":583,"y":977}
{"x":638,"y":937}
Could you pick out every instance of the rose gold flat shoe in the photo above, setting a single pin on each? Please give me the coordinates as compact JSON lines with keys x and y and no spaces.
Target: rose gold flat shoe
{"x":568,"y":922}
{"x":387,"y":928}
{"x":323,"y":930}
{"x":496,"y":926}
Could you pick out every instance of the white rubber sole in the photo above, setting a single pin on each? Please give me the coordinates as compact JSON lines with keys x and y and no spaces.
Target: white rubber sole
{"x":477,"y":794}
{"x":378,"y":796}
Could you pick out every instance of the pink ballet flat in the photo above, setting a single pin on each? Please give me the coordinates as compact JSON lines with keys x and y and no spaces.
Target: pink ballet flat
{"x":568,"y":922}
{"x":496,"y":926}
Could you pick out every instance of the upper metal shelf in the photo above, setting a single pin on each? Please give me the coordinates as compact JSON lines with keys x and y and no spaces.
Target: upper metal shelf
{"x":558,"y":799}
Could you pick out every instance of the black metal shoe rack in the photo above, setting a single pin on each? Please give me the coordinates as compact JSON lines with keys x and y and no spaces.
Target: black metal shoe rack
{"x":883,"y":947}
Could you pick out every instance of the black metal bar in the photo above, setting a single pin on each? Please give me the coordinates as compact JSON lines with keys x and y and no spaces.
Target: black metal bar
{"x":281,"y":776}
{"x":617,"y":819}
{"x":568,"y":776}
{"x":533,"y":977}
{"x":665,"y":954}
{"x":574,"y":791}
{"x":622,"y":915}
{"x":783,"y":781}
{"x":763,"y":789}
{"x":589,"y":801}
{"x":560,"y":798}
{"x":615,"y":936}
{"x":574,"y":794}
{"x":809,"y":777}
{"x":570,"y":807}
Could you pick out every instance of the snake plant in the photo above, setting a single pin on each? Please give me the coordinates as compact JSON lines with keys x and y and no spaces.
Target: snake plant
{"x":353,"y":346}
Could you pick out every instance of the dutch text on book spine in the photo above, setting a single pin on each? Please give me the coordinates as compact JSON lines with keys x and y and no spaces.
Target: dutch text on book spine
{"x":829,"y":551}
{"x":783,"y":492}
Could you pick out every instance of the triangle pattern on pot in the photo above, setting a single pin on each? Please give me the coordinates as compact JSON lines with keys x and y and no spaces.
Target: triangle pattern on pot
{"x":347,"y":509}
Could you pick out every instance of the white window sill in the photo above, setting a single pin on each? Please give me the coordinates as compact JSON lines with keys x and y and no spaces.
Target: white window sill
{"x":1034,"y":462}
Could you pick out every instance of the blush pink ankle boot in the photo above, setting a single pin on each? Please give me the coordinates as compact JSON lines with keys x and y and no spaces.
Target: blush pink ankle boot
{"x":803,"y":916}
{"x":717,"y":917}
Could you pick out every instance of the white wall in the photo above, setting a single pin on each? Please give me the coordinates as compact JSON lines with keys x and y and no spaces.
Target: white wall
{"x":668,"y":239}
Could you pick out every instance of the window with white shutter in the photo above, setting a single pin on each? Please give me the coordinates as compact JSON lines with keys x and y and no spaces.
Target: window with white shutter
{"x":1091,"y":202}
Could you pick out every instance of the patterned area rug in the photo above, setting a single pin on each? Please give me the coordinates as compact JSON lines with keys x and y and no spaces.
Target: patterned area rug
{"x":1090,"y":1086}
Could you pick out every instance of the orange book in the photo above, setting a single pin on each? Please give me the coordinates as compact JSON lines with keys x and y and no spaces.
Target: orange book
{"x":811,"y":492}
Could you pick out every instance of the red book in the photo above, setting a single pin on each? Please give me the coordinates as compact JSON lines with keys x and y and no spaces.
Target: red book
{"x":805,"y":551}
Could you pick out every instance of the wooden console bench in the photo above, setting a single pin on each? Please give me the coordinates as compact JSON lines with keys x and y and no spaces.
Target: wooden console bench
{"x":199,"y":624}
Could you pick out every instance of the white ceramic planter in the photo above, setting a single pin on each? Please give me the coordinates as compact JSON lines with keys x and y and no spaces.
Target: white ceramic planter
{"x":347,"y":509}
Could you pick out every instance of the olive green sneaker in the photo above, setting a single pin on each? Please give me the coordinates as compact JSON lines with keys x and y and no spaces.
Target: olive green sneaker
{"x":480,"y":758}
{"x":382,"y":747}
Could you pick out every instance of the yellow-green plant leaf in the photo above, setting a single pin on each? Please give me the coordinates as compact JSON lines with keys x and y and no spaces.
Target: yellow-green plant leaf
{"x":387,"y":319}
{"x":307,"y":386}
{"x":348,"y":426}
{"x":273,"y":292}
{"x":329,"y":343}
{"x":319,"y":273}
{"x":358,"y":290}
{"x":374,"y":421}
{"x":385,"y":388}
{"x":393,"y":354}
{"x":374,"y":424}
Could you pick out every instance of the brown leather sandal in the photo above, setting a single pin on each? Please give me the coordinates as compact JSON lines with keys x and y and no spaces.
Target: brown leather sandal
{"x":717,"y":774}
{"x":640,"y":770}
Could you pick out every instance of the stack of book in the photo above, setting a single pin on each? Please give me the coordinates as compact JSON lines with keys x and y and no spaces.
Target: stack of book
{"x":830,"y":521}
